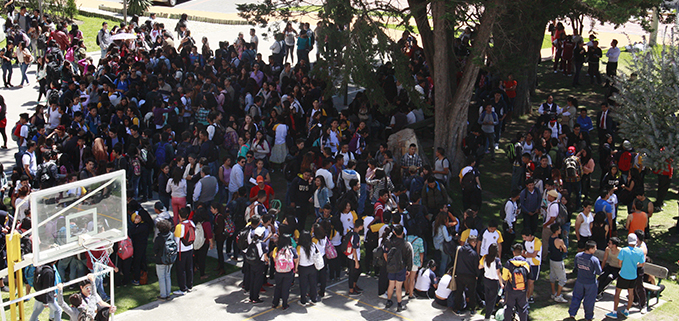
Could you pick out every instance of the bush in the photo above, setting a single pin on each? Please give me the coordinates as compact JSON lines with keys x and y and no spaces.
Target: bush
{"x":137,"y":6}
{"x":71,"y":9}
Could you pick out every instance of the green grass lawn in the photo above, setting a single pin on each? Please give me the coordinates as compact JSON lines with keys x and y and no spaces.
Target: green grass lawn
{"x":90,"y":27}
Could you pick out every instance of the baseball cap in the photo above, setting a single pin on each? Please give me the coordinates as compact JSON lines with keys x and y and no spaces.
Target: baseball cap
{"x":632,"y":239}
{"x":61,"y":127}
{"x":472,"y":237}
{"x":553,"y":193}
{"x":260,"y":179}
{"x":260,"y":231}
{"x":571,"y":150}
{"x":627,"y":145}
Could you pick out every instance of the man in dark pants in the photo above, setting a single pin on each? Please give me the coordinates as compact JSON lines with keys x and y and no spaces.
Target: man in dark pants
{"x":585,"y":285}
{"x":301,"y":191}
{"x":530,"y":200}
{"x":664,"y":180}
{"x":257,"y":265}
{"x":184,"y":262}
{"x":139,"y":228}
{"x":515,"y":275}
{"x":509,"y":225}
{"x":465,"y":275}
{"x":354,"y":257}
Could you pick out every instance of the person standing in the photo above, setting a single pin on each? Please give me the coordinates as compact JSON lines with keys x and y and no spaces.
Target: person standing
{"x":257,"y":258}
{"x":557,"y":270}
{"x":7,"y":55}
{"x":286,"y":262}
{"x":185,"y":256}
{"x":24,"y":58}
{"x":176,"y":187}
{"x":511,"y":212}
{"x":585,"y":285}
{"x":488,"y":120}
{"x":631,"y":258}
{"x":533,"y":254}
{"x":551,"y":214}
{"x":530,"y":200}
{"x":354,"y":256}
{"x":399,"y":258}
{"x":637,"y":220}
{"x":104,"y":39}
{"x":593,"y":56}
{"x":165,"y":250}
{"x":492,"y":270}
{"x":613,"y":54}
{"x":514,"y":274}
{"x":579,"y":55}
{"x":46,"y":276}
{"x":465,"y":275}
{"x":583,"y":225}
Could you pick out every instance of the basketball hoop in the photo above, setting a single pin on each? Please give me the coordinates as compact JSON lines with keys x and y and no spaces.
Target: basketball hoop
{"x":95,"y":244}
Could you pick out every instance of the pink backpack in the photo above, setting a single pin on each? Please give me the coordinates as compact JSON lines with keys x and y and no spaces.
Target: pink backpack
{"x":284,"y":260}
{"x":70,"y":56}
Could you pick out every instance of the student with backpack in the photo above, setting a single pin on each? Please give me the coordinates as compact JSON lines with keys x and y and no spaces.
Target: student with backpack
{"x":515,"y":275}
{"x":351,"y":246}
{"x":286,"y":262}
{"x":185,"y":235}
{"x":398,"y":255}
{"x":165,"y":249}
{"x":572,"y":176}
{"x":257,"y":258}
{"x":46,"y":276}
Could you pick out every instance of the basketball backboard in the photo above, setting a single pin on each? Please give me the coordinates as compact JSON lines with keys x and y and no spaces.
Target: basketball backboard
{"x":63,"y":216}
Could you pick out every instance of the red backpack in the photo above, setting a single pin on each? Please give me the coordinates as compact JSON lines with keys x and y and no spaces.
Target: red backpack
{"x":125,"y":249}
{"x":625,"y":162}
{"x":189,"y":234}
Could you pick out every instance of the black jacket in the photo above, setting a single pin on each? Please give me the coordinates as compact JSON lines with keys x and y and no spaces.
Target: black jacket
{"x":46,"y":281}
{"x":406,"y":251}
{"x":467,"y":261}
{"x":159,"y":247}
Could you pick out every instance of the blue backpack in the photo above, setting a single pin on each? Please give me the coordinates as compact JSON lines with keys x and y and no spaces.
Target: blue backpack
{"x":160,"y":154}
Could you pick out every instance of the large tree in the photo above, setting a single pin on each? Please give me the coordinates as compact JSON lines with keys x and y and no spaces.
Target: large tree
{"x":364,"y":40}
{"x":647,"y":105}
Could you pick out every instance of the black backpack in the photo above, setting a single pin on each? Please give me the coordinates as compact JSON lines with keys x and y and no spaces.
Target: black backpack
{"x":39,"y":275}
{"x":42,"y":41}
{"x":218,"y":137}
{"x":252,"y":254}
{"x":468,"y":181}
{"x":242,"y":238}
{"x":44,"y":177}
{"x":395,"y":262}
{"x":415,"y":220}
{"x":288,"y":171}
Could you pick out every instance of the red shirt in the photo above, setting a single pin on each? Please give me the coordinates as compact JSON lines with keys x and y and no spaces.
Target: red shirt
{"x":379,"y":211}
{"x":269,"y":193}
{"x":511,"y":93}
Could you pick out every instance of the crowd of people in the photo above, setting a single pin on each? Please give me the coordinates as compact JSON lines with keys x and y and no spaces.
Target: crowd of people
{"x":202,"y":132}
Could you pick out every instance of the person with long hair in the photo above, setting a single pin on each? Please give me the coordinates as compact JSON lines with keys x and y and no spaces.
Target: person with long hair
{"x":3,"y":121}
{"x":426,"y":283}
{"x":320,"y":240}
{"x":261,"y":147}
{"x":290,"y":35}
{"x":588,"y":165}
{"x":202,"y":218}
{"x":441,"y":235}
{"x":321,"y":195}
{"x":492,"y":270}
{"x":176,"y":186}
{"x":284,"y":279}
{"x":24,"y":58}
{"x":220,"y":235}
{"x":306,"y":250}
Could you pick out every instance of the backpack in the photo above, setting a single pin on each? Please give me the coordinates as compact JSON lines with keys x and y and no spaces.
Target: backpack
{"x":415,"y":220}
{"x":562,"y":218}
{"x":42,"y":41}
{"x":98,"y":35}
{"x":242,"y":238}
{"x":16,"y":131}
{"x":395,"y":261}
{"x":200,"y":237}
{"x":519,"y":275}
{"x":346,"y":244}
{"x":252,"y":256}
{"x":468,"y":181}
{"x":503,"y":213}
{"x":231,"y":140}
{"x":44,"y":177}
{"x":625,"y":162}
{"x":38,"y":275}
{"x":136,"y":166}
{"x":189,"y":234}
{"x":125,"y":249}
{"x":161,"y":154}
{"x":330,"y":251}
{"x":213,"y":156}
{"x":170,"y":251}
{"x":572,"y":168}
{"x":378,"y":257}
{"x":289,"y":172}
{"x":218,"y":137}
{"x":53,"y":70}
{"x":510,"y":151}
{"x":284,"y":262}
{"x":147,"y":158}
{"x":19,"y":162}
{"x":229,"y":227}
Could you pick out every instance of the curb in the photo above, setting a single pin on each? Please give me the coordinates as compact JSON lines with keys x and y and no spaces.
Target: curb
{"x":177,"y":16}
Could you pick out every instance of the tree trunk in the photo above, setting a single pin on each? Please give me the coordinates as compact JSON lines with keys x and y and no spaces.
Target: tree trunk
{"x":418,"y":8}
{"x":451,"y":110}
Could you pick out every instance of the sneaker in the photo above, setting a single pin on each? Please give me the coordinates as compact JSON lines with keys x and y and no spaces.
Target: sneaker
{"x":311,"y":303}
{"x":135,"y":283}
{"x":531,"y":300}
{"x":625,"y":312}
{"x":354,"y":293}
{"x":644,"y":310}
{"x":613,"y":315}
{"x":301,"y":303}
{"x":388,"y":304}
{"x":560,"y":299}
{"x":552,"y":296}
{"x":599,"y":297}
{"x":256,"y":301}
{"x":189,"y":290}
{"x":400,"y":307}
{"x":179,"y":292}
{"x":384,"y":296}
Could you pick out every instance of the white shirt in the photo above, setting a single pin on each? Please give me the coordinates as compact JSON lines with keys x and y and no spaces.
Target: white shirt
{"x":29,"y":159}
{"x":178,"y":190}
{"x":54,"y":118}
{"x":488,"y":239}
{"x":24,"y":133}
{"x":531,"y":248}
{"x":281,"y":134}
{"x":552,"y":212}
{"x":585,"y":230}
{"x":236,"y":178}
{"x":423,"y":282}
{"x":411,"y":117}
{"x":613,"y":54}
{"x":347,"y":220}
{"x":490,"y":272}
{"x":511,"y":211}
{"x":442,"y":289}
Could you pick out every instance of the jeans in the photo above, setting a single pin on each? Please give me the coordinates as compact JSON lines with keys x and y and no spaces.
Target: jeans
{"x":576,"y":75}
{"x":134,"y":185}
{"x":490,"y":143}
{"x":445,"y":260}
{"x":103,"y":53}
{"x":7,"y":73}
{"x":530,"y":221}
{"x":55,"y":310}
{"x":24,"y":67}
{"x":594,"y":72}
{"x":220,"y":252}
{"x":565,"y":232}
{"x":165,"y":199}
{"x":363,"y":194}
{"x":164,"y":279}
